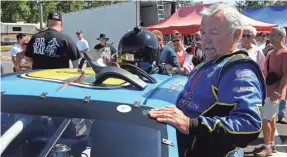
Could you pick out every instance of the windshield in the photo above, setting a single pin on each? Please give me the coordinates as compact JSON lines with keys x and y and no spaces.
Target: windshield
{"x":86,"y":131}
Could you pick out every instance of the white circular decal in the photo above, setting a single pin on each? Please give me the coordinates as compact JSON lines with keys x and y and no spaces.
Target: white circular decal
{"x":124,"y":108}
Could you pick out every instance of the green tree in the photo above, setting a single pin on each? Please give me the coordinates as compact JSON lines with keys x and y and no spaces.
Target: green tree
{"x":242,"y":5}
{"x":12,"y":12}
{"x":28,"y":11}
{"x":92,"y":4}
{"x":69,"y":6}
{"x":187,"y":2}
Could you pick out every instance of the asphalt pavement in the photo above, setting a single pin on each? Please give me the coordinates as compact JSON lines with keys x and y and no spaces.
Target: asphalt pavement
{"x":280,"y":140}
{"x":281,"y":133}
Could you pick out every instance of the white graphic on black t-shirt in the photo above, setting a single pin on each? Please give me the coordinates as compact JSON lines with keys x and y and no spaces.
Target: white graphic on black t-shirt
{"x":52,"y":47}
{"x":40,"y":47}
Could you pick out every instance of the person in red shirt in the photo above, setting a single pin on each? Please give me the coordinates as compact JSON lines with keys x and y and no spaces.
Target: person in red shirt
{"x":183,"y":57}
{"x":275,"y":72}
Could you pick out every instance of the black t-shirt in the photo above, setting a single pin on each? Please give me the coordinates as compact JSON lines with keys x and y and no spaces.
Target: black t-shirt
{"x":51,"y":49}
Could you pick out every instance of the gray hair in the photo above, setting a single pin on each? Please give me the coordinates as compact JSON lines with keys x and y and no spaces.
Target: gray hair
{"x":233,"y":17}
{"x":250,"y":29}
{"x":281,"y":30}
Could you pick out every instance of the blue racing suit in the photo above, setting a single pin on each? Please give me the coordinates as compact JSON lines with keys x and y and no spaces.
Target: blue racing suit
{"x":224,"y":103}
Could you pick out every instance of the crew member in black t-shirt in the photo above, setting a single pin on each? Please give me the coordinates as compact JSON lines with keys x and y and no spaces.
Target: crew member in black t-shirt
{"x":105,"y":50}
{"x":52,"y":49}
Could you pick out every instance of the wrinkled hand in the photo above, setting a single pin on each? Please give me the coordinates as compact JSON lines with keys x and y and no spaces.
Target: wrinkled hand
{"x":173,"y":116}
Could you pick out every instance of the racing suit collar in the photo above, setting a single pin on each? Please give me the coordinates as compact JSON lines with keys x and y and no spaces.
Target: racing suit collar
{"x":237,"y":51}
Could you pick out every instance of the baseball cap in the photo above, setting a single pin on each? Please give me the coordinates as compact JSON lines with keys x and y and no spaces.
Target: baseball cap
{"x":55,"y":15}
{"x":79,"y":32}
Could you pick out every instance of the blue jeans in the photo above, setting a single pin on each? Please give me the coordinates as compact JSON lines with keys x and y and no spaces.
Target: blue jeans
{"x":282,"y":108}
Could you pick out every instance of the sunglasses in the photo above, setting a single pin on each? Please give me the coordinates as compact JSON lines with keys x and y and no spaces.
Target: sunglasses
{"x":197,"y":39}
{"x":246,"y":36}
{"x":175,"y":41}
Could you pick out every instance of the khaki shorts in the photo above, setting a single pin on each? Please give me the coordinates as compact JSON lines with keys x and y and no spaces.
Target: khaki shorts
{"x":270,"y":109}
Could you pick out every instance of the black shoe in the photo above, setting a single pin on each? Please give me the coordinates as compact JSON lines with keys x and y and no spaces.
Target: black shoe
{"x":282,"y":121}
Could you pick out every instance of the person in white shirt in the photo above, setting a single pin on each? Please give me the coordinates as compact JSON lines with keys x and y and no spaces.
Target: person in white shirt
{"x":21,"y":63}
{"x":253,"y":51}
{"x":83,"y":47}
{"x":16,"y":48}
{"x":262,"y":40}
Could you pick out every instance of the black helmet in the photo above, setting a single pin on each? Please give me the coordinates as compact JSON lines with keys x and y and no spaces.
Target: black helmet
{"x":141,"y":48}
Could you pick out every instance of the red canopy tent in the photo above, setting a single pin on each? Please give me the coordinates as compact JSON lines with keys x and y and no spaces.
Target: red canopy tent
{"x":187,"y":20}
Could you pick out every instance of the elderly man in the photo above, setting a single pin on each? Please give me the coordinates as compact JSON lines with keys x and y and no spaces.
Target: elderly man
{"x":254,"y":52}
{"x":218,"y":111}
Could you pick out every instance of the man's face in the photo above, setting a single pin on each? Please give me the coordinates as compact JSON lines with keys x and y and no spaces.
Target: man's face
{"x":275,"y":37}
{"x":103,"y":41}
{"x":247,"y":37}
{"x":21,"y":40}
{"x":263,"y":38}
{"x":80,"y":36}
{"x":216,"y":39}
